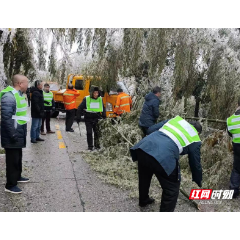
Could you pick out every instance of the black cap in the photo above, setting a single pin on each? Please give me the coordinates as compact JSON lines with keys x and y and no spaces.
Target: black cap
{"x":95,"y":89}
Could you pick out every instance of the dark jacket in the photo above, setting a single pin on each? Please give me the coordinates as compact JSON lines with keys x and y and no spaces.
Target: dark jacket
{"x":166,"y":152}
{"x":89,"y":116}
{"x":150,"y":110}
{"x":37,"y":103}
{"x":13,"y":135}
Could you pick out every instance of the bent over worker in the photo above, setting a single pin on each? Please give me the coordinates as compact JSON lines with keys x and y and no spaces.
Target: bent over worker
{"x":69,"y":98}
{"x":93,"y":109}
{"x":14,"y":130}
{"x":158,"y":153}
{"x":233,"y":126}
{"x":123,"y":104}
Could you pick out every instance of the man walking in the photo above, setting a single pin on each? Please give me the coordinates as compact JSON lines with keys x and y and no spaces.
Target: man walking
{"x":14,"y":130}
{"x":49,"y":105}
{"x":233,"y":126}
{"x":150,"y":110}
{"x":37,"y":111}
{"x":158,"y":153}
{"x":123,"y":104}
{"x":93,"y":109}
{"x":69,"y":98}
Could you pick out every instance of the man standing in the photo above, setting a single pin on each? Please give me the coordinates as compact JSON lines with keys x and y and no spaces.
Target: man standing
{"x":123,"y":104}
{"x":69,"y":98}
{"x":37,"y":111}
{"x":233,"y":126}
{"x":158,"y":154}
{"x":93,"y":109}
{"x":14,"y":130}
{"x":49,"y":105}
{"x":28,"y":96}
{"x":150,"y":110}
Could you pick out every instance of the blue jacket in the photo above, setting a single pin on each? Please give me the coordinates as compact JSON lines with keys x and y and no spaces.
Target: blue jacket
{"x":165,"y":151}
{"x":150,"y":110}
{"x":13,"y":135}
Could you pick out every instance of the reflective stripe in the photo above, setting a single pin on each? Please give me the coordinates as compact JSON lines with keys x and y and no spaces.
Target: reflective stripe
{"x":48,"y":99}
{"x":68,"y":94}
{"x":22,"y":101}
{"x":21,"y":109}
{"x":169,"y":134}
{"x":116,"y":106}
{"x":179,"y":132}
{"x":27,"y":119}
{"x":14,"y":91}
{"x":236,"y":135}
{"x":233,"y":127}
{"x":124,"y":105}
{"x":187,"y":127}
{"x":235,"y":119}
{"x":69,"y":103}
{"x":124,"y":97}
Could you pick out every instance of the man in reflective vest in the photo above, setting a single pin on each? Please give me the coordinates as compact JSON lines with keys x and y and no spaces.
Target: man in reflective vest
{"x":49,"y":105}
{"x":93,"y":109}
{"x":69,"y":98}
{"x":233,"y":127}
{"x":14,"y":130}
{"x":158,"y":153}
{"x":123,"y":104}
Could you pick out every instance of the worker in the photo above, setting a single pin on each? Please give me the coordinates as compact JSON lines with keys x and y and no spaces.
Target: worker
{"x":69,"y":99}
{"x":93,"y":109}
{"x":49,"y":106}
{"x":233,"y":127}
{"x":158,"y":153}
{"x":37,"y":111}
{"x":28,"y":96}
{"x":14,"y":130}
{"x":150,"y":110}
{"x":123,"y":104}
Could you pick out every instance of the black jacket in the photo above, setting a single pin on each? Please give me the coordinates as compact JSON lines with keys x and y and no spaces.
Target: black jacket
{"x":150,"y":110}
{"x":89,"y":116}
{"x":37,"y":103}
{"x":13,"y":135}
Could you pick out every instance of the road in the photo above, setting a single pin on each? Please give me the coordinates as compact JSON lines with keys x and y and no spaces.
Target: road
{"x":61,"y":181}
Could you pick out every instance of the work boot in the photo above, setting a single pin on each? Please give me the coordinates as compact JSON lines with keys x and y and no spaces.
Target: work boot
{"x":146,"y":202}
{"x":43,"y":133}
{"x":33,"y":141}
{"x":71,"y":130}
{"x":90,"y":148}
{"x":40,"y":139}
{"x":50,"y":131}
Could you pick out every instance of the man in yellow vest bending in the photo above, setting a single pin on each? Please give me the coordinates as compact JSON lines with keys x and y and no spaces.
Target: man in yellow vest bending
{"x":233,"y":127}
{"x":158,"y":153}
{"x":14,"y":130}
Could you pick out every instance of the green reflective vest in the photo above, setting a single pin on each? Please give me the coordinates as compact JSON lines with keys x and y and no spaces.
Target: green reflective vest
{"x":233,"y":126}
{"x":48,"y":97}
{"x":21,"y":105}
{"x":181,"y":132}
{"x":94,"y":105}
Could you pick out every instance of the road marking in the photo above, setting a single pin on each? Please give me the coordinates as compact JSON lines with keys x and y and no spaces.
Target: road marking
{"x":57,"y":126}
{"x":62,"y":145}
{"x":59,"y":135}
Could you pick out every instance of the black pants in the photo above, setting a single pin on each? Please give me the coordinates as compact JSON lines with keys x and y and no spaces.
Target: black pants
{"x":70,"y":115}
{"x":92,"y":127}
{"x":147,"y":166}
{"x":13,"y":166}
{"x":47,"y":117}
{"x":235,"y":175}
{"x":144,"y":129}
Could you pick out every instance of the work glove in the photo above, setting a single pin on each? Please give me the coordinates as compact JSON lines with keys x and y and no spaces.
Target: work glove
{"x":14,"y":138}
